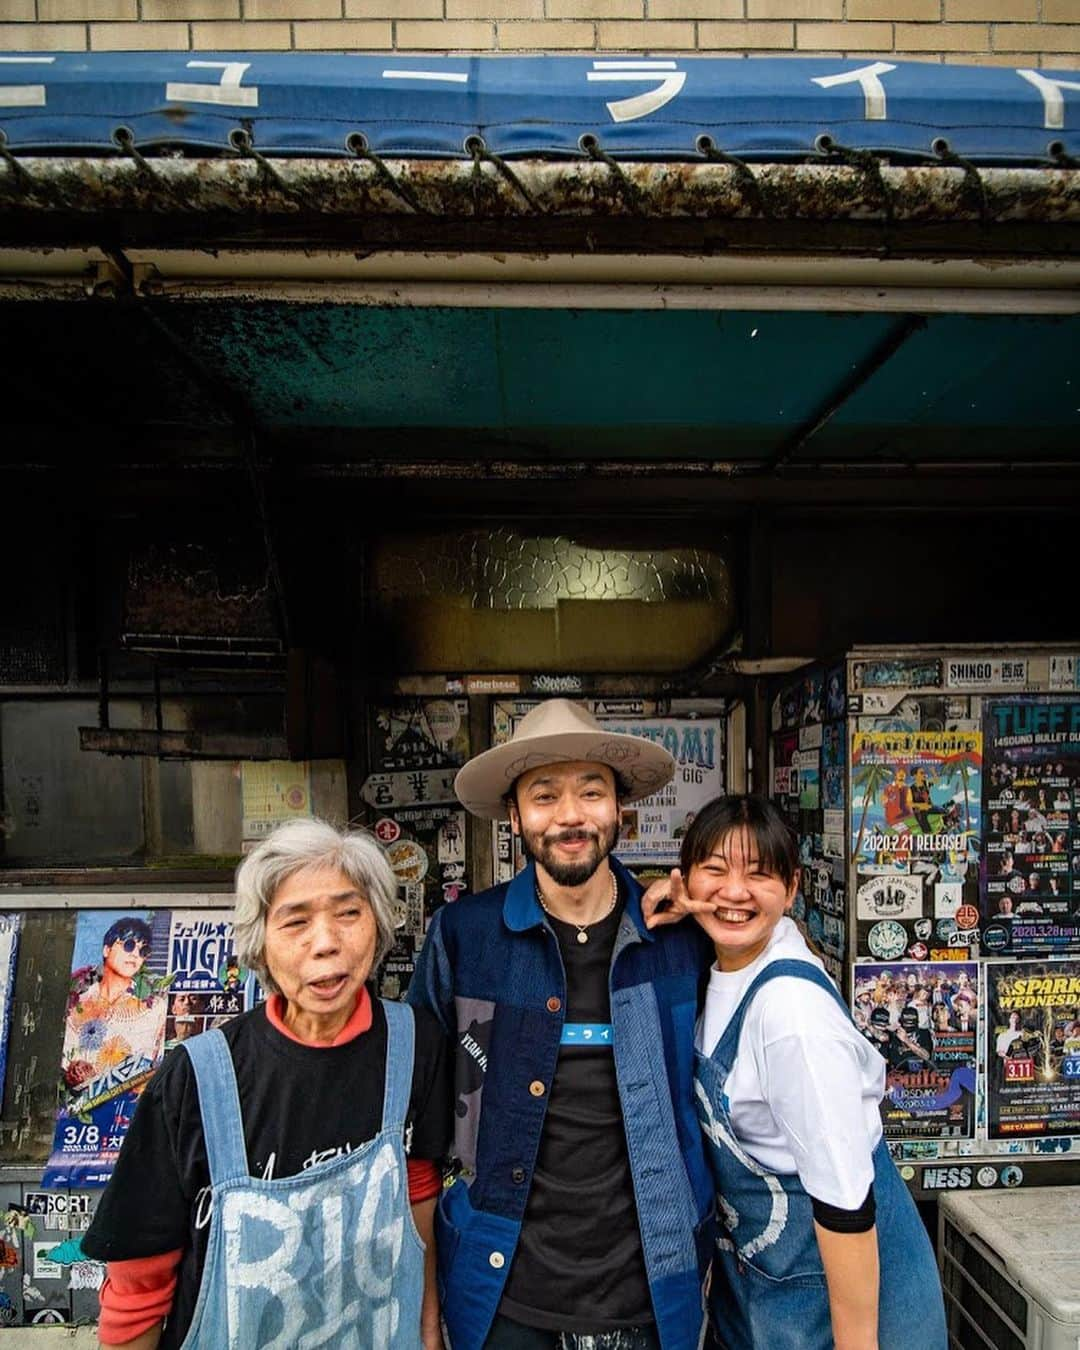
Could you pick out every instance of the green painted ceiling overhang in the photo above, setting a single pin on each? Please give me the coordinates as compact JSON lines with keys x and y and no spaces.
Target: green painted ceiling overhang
{"x":355,"y":382}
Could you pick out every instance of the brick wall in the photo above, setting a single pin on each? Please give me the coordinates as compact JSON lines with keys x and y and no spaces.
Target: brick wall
{"x":1001,"y":32}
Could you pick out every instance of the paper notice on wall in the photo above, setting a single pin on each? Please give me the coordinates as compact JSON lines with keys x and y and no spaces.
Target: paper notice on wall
{"x":274,"y":791}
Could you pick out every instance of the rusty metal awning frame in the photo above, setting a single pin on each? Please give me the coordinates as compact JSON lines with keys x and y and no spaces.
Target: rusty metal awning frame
{"x":254,"y":201}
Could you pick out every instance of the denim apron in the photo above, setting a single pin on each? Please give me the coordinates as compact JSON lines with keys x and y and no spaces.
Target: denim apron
{"x":768,"y":1286}
{"x":329,"y":1257}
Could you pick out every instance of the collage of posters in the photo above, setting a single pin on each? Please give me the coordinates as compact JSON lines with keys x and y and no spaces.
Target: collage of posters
{"x":417,"y":746}
{"x":915,"y":821}
{"x":1031,"y":865}
{"x":1033,"y":1049}
{"x":809,"y":755}
{"x":923,"y":1019}
{"x":141,"y":982}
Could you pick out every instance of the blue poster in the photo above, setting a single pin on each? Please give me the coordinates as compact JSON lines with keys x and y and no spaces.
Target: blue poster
{"x":9,"y":951}
{"x":141,"y":983}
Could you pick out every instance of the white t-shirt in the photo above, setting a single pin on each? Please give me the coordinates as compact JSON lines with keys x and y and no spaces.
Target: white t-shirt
{"x":805,"y":1087}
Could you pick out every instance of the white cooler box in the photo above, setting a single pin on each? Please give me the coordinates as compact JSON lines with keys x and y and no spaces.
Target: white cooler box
{"x":1010,"y":1268}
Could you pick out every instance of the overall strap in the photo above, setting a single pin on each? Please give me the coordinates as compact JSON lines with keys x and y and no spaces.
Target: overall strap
{"x":400,"y":1038}
{"x":219,"y":1103}
{"x":728,"y":1044}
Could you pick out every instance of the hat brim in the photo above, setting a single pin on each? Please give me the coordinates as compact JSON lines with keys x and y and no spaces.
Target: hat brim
{"x":641,"y":766}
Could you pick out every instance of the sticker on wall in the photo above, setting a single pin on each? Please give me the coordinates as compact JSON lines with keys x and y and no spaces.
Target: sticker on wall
{"x":890,"y":897}
{"x":451,"y":846}
{"x":896,"y":673}
{"x":887,"y":940}
{"x":386,"y":830}
{"x":948,"y":897}
{"x":408,"y":860}
{"x":984,"y":673}
{"x":1064,"y":671}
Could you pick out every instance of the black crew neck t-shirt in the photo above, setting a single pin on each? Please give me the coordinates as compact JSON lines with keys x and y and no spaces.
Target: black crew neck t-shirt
{"x":579,"y":1264}
{"x":300,"y":1105}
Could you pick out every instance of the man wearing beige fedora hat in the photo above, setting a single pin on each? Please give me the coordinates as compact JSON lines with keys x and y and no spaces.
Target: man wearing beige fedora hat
{"x":580,"y":1212}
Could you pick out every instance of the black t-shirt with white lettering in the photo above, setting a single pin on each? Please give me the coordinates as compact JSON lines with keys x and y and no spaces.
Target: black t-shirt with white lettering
{"x":300,"y":1105}
{"x":579,"y":1264}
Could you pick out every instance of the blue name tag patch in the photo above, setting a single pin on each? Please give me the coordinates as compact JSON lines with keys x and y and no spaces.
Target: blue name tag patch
{"x":586,"y":1033}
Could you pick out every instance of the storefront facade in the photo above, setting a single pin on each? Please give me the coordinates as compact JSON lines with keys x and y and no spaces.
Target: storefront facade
{"x":326,"y":469}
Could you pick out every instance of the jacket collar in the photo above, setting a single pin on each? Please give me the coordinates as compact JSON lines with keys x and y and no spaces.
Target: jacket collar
{"x":522,"y":910}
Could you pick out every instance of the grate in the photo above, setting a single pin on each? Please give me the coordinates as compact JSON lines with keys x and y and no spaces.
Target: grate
{"x":982,"y":1308}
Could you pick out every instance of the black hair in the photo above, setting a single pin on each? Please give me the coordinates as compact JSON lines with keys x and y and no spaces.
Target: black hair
{"x":771,"y":835}
{"x":129,"y":928}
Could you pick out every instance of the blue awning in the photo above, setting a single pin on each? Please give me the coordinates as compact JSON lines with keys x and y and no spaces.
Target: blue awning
{"x":634,"y":107}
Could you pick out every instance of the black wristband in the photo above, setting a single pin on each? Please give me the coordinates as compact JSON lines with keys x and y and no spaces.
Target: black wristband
{"x":838,"y":1220}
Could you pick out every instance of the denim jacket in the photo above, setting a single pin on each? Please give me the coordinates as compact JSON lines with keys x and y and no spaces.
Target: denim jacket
{"x":492,"y":973}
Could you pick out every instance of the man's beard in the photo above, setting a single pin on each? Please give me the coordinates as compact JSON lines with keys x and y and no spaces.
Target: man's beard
{"x":542,"y":850}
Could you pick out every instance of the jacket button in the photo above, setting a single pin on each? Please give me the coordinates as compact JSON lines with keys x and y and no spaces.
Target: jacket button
{"x":496,"y":1260}
{"x":518,"y":1174}
{"x":536,"y":1088}
{"x":554,"y":1004}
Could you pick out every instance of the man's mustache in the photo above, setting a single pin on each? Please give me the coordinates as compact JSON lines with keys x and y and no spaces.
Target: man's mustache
{"x":571,"y":836}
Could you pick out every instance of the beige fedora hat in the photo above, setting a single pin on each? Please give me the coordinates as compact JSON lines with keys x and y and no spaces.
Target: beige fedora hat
{"x":560,"y":731}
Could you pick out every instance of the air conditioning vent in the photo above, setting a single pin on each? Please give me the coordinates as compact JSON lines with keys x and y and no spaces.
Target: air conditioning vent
{"x":1010,"y":1269}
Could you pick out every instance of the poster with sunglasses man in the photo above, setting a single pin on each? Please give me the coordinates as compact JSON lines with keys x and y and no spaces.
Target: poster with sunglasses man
{"x":114,"y":1033}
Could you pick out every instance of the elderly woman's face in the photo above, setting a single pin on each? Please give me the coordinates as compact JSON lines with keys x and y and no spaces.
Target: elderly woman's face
{"x":320,"y":942}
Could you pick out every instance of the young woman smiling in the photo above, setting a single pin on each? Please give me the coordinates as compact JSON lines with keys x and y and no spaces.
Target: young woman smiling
{"x":823,"y":1244}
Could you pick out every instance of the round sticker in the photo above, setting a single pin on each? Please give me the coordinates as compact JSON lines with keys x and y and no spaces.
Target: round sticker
{"x":907,"y":1172}
{"x":1017,"y":884}
{"x":1012,"y":1175}
{"x":918,"y":951}
{"x":995,"y":937}
{"x":967,"y":916}
{"x":296,"y":798}
{"x":986,"y":1176}
{"x":946,"y":931}
{"x":887,"y":940}
{"x":923,"y":928}
{"x":387,"y":830}
{"x":408,"y":859}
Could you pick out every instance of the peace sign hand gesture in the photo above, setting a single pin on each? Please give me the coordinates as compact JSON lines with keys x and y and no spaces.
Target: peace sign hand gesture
{"x":666,"y":901}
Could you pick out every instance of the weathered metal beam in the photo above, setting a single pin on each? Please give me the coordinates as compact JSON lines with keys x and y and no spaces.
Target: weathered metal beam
{"x":114,"y":198}
{"x":862,"y":374}
{"x":182,"y":744}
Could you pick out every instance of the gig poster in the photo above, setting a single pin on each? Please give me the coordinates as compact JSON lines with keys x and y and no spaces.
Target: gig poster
{"x":914,"y":838}
{"x":923,"y":1019}
{"x":1033,"y":1049}
{"x":1031,"y":868}
{"x":141,"y":982}
{"x":9,"y":950}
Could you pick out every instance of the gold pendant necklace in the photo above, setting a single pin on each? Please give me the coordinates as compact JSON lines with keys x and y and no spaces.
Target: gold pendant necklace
{"x":582,"y":934}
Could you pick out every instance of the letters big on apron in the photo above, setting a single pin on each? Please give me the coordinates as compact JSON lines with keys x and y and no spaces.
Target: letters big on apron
{"x":329,"y":1257}
{"x":768,"y":1286}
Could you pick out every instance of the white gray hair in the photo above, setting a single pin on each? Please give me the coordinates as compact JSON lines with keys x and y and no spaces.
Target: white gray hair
{"x":296,"y":847}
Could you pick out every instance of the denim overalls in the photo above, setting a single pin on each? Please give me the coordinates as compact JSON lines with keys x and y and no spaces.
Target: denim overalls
{"x":329,"y":1257}
{"x":768,"y":1287}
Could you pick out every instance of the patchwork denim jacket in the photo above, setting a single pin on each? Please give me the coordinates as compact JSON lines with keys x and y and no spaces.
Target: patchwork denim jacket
{"x":491,"y":971}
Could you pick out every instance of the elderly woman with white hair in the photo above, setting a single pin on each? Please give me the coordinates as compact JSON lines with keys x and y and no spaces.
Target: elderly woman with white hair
{"x":262,"y":1196}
